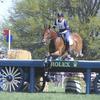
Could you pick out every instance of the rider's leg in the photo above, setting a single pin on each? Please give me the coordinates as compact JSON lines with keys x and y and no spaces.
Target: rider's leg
{"x":68,"y":47}
{"x":67,"y":35}
{"x":67,"y":43}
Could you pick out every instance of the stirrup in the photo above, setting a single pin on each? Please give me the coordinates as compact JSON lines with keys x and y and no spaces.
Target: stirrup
{"x":69,"y":57}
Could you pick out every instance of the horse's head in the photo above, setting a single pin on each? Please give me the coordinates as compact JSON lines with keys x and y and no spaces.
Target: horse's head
{"x":48,"y":34}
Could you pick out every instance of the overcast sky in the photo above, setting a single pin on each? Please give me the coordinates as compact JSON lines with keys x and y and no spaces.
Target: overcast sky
{"x":5,"y":6}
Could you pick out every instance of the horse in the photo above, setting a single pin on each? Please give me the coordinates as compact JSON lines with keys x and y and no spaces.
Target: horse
{"x":57,"y":45}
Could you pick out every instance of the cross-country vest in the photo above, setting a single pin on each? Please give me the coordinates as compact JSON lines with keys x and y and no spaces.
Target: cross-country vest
{"x":61,"y":25}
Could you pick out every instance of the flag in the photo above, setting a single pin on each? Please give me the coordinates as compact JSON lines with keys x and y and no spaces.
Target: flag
{"x":6,"y":32}
{"x":7,"y":38}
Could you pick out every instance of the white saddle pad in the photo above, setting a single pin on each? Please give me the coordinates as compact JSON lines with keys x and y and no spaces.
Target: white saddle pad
{"x":70,"y":41}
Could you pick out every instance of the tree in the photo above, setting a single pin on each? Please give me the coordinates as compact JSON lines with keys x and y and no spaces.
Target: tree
{"x":28,"y":21}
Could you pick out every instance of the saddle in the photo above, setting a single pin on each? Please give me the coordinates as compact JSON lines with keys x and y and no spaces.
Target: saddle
{"x":65,"y":41}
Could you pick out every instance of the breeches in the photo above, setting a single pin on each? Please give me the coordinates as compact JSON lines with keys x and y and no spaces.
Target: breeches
{"x":67,"y":36}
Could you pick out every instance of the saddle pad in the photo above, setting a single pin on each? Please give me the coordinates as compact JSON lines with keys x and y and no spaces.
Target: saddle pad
{"x":70,"y":41}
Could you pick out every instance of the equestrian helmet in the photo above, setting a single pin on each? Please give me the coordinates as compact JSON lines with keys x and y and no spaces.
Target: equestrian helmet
{"x":60,"y":15}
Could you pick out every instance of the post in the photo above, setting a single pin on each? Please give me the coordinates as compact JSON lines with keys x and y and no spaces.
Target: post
{"x":62,"y":81}
{"x":9,"y":40}
{"x":88,"y":80}
{"x":32,"y":80}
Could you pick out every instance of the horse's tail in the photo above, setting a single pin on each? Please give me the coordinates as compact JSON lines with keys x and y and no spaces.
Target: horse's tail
{"x":77,"y":38}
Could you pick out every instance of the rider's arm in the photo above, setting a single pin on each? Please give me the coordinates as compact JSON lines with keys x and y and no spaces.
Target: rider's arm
{"x":66,"y":25}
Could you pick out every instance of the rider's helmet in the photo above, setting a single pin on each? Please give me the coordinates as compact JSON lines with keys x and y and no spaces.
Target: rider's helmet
{"x":60,"y":14}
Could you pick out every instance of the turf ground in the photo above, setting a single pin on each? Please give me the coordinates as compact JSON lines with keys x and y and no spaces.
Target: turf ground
{"x":46,"y":96}
{"x":54,"y":93}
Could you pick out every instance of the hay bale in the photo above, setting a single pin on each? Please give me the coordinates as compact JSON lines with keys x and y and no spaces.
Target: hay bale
{"x":19,"y":54}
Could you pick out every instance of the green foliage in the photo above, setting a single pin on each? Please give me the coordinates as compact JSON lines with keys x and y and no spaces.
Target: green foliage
{"x":31,"y":15}
{"x":27,"y":25}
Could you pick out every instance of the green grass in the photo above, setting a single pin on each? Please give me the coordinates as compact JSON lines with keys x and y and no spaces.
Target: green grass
{"x":46,"y":96}
{"x":54,"y":93}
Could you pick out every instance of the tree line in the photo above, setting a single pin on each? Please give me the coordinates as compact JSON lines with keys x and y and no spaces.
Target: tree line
{"x":30,"y":16}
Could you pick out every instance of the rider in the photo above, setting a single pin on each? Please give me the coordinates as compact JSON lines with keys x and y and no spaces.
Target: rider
{"x":63,"y":28}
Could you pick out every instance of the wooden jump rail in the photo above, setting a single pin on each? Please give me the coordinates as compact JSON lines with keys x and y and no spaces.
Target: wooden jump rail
{"x":77,"y":65}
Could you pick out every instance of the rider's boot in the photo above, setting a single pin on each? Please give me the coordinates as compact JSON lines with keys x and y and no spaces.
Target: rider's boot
{"x":68,"y":47}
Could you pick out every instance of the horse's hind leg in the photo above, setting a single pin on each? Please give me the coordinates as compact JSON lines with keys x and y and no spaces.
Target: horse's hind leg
{"x":80,"y":53}
{"x":77,"y":54}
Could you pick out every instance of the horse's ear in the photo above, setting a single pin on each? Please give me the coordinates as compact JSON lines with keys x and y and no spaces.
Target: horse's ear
{"x":44,"y":26}
{"x":49,"y":26}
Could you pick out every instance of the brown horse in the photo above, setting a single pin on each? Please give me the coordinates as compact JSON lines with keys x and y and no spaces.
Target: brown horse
{"x":57,"y":45}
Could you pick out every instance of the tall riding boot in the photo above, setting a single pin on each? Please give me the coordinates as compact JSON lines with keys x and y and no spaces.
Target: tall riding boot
{"x":68,"y":47}
{"x":67,"y":44}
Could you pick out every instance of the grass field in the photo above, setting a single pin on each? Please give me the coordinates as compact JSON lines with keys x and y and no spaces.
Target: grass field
{"x":46,"y":96}
{"x":54,"y":93}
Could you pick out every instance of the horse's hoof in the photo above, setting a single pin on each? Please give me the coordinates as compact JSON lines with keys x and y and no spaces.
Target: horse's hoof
{"x":77,"y":55}
{"x":81,"y":55}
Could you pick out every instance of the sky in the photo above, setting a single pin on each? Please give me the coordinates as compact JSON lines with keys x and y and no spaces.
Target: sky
{"x":5,"y":6}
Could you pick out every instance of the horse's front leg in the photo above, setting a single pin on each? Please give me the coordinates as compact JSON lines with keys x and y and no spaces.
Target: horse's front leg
{"x":57,"y":53}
